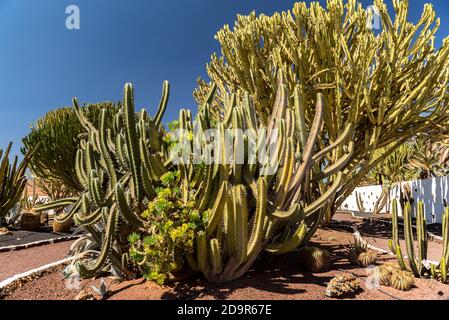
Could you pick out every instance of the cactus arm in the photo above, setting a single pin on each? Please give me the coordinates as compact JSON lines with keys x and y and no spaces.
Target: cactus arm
{"x":240,"y":222}
{"x":215,"y":255}
{"x":286,"y":175}
{"x":346,"y":134}
{"x":90,"y":218}
{"x":71,"y":213}
{"x":317,"y":204}
{"x":292,"y":243}
{"x":90,"y":271}
{"x":132,"y":141}
{"x":257,"y":231}
{"x":421,"y":235}
{"x":217,"y":209}
{"x":445,"y":234}
{"x":443,"y":270}
{"x":408,"y":231}
{"x":163,"y":103}
{"x":82,"y":118}
{"x":56,"y":204}
{"x":394,"y":225}
{"x":105,"y":149}
{"x":286,"y":215}
{"x":308,"y":149}
{"x":337,"y":166}
{"x":125,"y":209}
{"x":299,"y":116}
{"x":209,"y":97}
{"x":202,"y":251}
{"x":400,"y":258}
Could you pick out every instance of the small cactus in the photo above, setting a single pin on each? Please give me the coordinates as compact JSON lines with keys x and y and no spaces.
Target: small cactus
{"x":314,"y":259}
{"x":359,"y":254}
{"x":367,"y":258}
{"x":342,"y":285}
{"x":402,"y":280}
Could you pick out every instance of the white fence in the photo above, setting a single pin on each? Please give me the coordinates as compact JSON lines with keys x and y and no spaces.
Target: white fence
{"x":434,"y":192}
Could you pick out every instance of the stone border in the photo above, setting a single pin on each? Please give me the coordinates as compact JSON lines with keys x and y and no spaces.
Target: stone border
{"x":38,"y":243}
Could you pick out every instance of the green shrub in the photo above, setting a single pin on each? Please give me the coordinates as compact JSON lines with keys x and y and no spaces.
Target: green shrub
{"x":12,"y":180}
{"x":58,"y":133}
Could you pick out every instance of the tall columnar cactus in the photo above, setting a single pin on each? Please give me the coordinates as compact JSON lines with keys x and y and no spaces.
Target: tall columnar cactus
{"x":383,"y":85}
{"x":416,"y":261}
{"x":253,"y":210}
{"x":12,"y":180}
{"x":415,"y":264}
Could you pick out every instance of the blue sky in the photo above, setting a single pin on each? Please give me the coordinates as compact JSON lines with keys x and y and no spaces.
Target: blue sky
{"x":43,"y":65}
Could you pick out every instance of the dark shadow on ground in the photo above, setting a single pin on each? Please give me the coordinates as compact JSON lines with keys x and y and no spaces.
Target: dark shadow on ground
{"x":276,"y":274}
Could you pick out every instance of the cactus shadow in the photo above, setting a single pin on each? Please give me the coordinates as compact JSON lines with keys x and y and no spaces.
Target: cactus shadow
{"x":271,"y":274}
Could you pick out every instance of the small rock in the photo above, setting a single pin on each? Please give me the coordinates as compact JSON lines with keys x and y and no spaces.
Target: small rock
{"x":5,"y":232}
{"x":83,"y":295}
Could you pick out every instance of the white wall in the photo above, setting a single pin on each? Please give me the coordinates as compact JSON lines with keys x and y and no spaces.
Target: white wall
{"x":434,"y":192}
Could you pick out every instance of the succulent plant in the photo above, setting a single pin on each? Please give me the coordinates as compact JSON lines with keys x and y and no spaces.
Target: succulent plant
{"x":356,"y":247}
{"x":367,"y":258}
{"x":314,"y":259}
{"x":58,"y":133}
{"x":388,"y":95}
{"x":402,"y":280}
{"x":343,"y":285}
{"x":12,"y":180}
{"x":415,"y":264}
{"x":385,"y":271}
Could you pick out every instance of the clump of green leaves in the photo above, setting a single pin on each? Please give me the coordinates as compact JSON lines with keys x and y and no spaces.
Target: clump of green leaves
{"x":159,"y":251}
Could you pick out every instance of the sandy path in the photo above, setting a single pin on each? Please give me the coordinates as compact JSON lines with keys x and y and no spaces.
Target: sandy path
{"x":14,"y":262}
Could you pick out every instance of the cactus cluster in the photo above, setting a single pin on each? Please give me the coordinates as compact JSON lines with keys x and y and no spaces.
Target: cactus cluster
{"x":116,"y":163}
{"x":415,"y":262}
{"x":385,"y":271}
{"x":12,"y":180}
{"x":384,"y":86}
{"x":245,"y":208}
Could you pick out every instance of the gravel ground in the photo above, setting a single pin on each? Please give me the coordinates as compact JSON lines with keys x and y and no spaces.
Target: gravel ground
{"x":273,"y":278}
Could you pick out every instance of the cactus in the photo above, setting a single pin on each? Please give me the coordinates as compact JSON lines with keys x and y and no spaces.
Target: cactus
{"x":402,"y":280}
{"x":415,"y":260}
{"x":314,"y":259}
{"x":365,"y":79}
{"x":394,"y":242}
{"x":12,"y":180}
{"x":359,"y":254}
{"x":367,"y":258}
{"x":359,"y":201}
{"x":246,"y":208}
{"x":415,"y":264}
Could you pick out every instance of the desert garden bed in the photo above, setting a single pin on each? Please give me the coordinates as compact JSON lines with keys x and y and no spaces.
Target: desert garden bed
{"x":271,"y":278}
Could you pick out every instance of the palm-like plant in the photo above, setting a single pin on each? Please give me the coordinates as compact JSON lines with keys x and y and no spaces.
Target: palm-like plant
{"x":425,"y":159}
